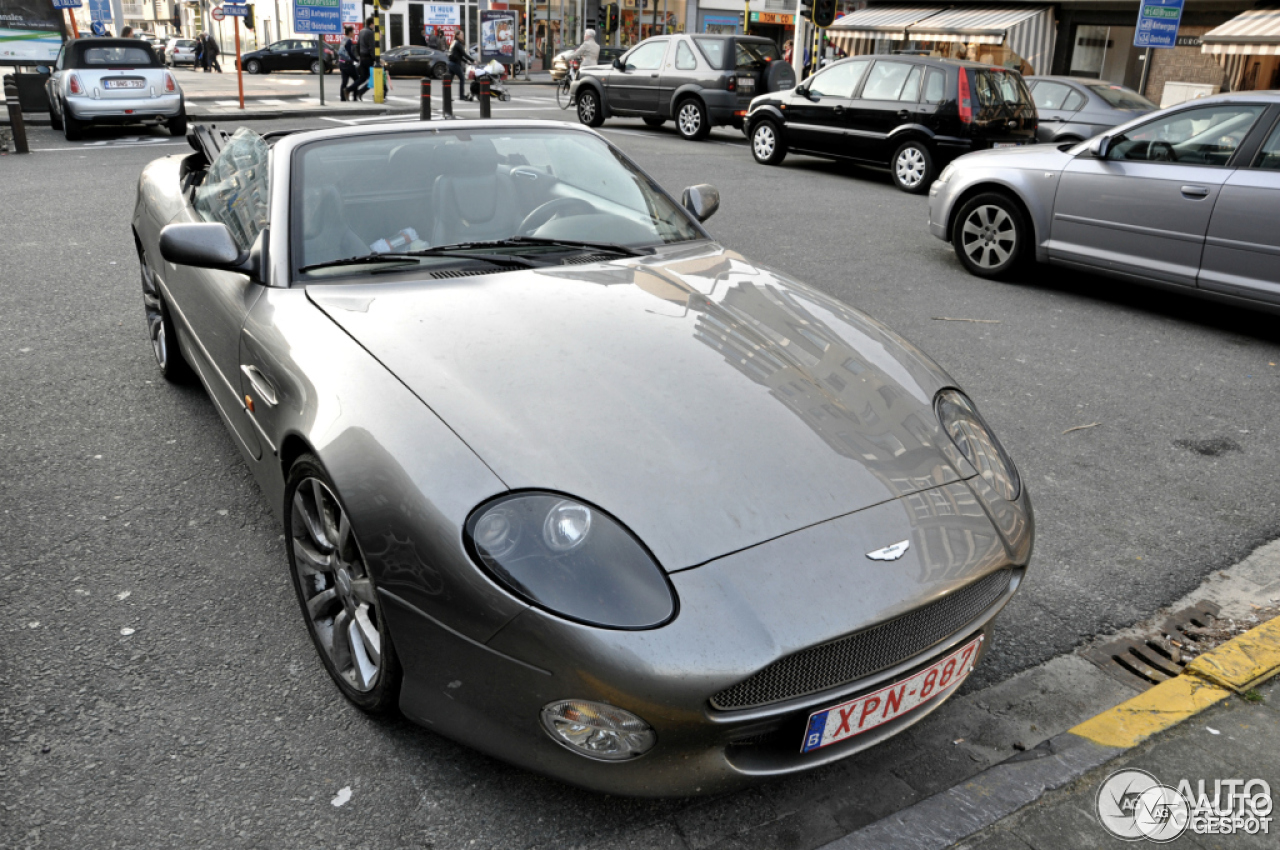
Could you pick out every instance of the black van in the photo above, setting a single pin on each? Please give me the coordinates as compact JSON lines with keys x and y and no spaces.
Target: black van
{"x":913,"y":114}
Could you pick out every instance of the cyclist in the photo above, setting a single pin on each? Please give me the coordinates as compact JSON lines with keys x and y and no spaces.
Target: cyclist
{"x":588,"y":53}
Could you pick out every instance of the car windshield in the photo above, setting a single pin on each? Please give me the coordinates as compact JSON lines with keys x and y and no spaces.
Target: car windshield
{"x":1122,"y":98}
{"x":495,"y":192}
{"x":110,"y":57}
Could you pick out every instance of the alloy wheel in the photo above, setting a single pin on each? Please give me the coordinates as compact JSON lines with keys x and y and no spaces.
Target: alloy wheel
{"x":910,"y":167}
{"x":988,"y":236}
{"x":586,"y":108}
{"x":340,"y":598}
{"x":690,"y":118}
{"x":764,"y":141}
{"x":153,"y":308}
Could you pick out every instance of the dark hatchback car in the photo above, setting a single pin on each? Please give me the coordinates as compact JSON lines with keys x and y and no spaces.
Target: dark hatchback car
{"x":701,"y":81}
{"x":1072,"y":109}
{"x":292,"y":54}
{"x":913,"y":114}
{"x":416,"y":61}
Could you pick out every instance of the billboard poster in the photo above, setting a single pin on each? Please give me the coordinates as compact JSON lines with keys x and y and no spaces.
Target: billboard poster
{"x":30,"y":31}
{"x":441,"y":15}
{"x":497,"y":36}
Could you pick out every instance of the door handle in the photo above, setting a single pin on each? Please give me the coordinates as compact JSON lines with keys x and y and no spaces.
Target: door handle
{"x":839,"y":110}
{"x":1195,"y":191}
{"x":903,"y":114}
{"x":261,"y":385}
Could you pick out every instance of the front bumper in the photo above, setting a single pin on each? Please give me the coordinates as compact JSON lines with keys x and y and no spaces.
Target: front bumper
{"x":125,"y":109}
{"x":941,"y":199}
{"x":738,"y":615}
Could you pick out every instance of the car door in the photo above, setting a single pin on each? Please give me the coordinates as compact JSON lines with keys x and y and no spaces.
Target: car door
{"x":680,"y":68}
{"x":211,"y":304}
{"x":816,"y":110}
{"x":879,"y":108}
{"x":1144,"y":208}
{"x":635,"y":87}
{"x":1051,"y":99}
{"x":1242,"y":248}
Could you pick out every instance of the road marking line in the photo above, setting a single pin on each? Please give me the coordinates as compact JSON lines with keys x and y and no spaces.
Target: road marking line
{"x":156,"y":144}
{"x":1165,"y":705}
{"x":273,"y":101}
{"x":227,"y":102}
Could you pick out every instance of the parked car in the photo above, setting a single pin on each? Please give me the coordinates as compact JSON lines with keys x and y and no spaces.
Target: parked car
{"x":180,"y":51}
{"x":913,"y":114}
{"x":1072,"y":109}
{"x":291,"y":54}
{"x":112,"y":81}
{"x":702,"y":81}
{"x":662,"y":576}
{"x":560,"y":64}
{"x":517,"y":68}
{"x":416,"y":61}
{"x":1187,"y":198}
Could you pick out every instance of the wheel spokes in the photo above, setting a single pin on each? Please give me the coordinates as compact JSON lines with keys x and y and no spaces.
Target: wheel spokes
{"x":321,"y":605}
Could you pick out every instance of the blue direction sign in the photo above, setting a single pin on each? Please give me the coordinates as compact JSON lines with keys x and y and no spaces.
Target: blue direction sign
{"x":317,"y":17}
{"x":99,"y":10}
{"x":235,"y":11}
{"x":67,"y":4}
{"x":1158,"y":23}
{"x":98,"y":28}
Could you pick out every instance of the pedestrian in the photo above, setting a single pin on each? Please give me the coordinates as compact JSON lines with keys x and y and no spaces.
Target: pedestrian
{"x":364,"y":46}
{"x":211,"y":51}
{"x":127,"y":32}
{"x":787,"y":49}
{"x":348,"y":62}
{"x":457,"y":65}
{"x":435,"y":42}
{"x":198,"y":52}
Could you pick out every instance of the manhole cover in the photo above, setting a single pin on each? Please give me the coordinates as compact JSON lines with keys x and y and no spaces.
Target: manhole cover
{"x":1148,"y":660}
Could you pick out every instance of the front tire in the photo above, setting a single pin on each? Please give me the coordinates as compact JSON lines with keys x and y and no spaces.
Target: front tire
{"x":338,"y":597}
{"x":253,"y":66}
{"x":439,"y":70}
{"x":72,"y":127}
{"x":315,"y":67}
{"x":766,"y":143}
{"x":160,"y":330}
{"x":990,"y":235}
{"x":912,"y":168}
{"x":590,"y":112}
{"x":691,"y":120}
{"x":55,"y":118}
{"x":177,"y":126}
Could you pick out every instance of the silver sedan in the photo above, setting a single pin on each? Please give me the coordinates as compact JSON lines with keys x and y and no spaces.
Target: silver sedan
{"x":565,"y":479}
{"x":1186,"y":198}
{"x":1072,"y":109}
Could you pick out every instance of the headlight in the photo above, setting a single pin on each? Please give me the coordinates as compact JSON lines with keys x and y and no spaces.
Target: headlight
{"x":597,"y":730}
{"x":571,"y":559}
{"x":974,"y":440}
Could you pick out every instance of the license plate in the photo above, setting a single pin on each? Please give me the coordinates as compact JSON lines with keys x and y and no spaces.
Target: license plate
{"x":746,"y":84}
{"x":122,"y":84}
{"x":844,"y":721}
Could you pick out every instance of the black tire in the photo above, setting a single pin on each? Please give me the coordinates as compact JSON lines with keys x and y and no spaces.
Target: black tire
{"x":654,"y":120}
{"x":355,"y":590}
{"x":55,"y":118}
{"x":72,"y":127}
{"x":912,"y":168}
{"x":991,"y":236}
{"x":160,"y":330}
{"x":589,"y":109}
{"x":315,"y":66}
{"x":767,"y":144}
{"x":177,"y":126}
{"x":253,"y":66}
{"x":691,"y":119}
{"x":439,"y":70}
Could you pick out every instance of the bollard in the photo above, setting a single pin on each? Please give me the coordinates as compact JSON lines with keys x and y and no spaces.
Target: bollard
{"x":484,"y":97}
{"x":446,"y":108}
{"x":15,"y":115}
{"x":424,"y":107}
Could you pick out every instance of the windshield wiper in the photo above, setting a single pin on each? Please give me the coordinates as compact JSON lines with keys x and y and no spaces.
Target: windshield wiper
{"x":574,"y":244}
{"x":406,"y":257}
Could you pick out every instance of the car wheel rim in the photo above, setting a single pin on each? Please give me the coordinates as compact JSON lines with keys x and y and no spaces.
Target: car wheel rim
{"x":910,"y":167}
{"x":586,"y":108}
{"x":690,"y":119}
{"x":340,"y":599}
{"x":154,"y":311}
{"x":988,"y":236}
{"x":765,"y":141}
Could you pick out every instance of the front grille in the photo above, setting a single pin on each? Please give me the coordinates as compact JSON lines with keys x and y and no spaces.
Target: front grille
{"x":869,"y":651}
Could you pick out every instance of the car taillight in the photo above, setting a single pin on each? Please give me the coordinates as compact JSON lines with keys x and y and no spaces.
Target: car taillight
{"x":169,"y":84}
{"x":966,"y":105}
{"x":732,"y":84}
{"x":73,"y":85}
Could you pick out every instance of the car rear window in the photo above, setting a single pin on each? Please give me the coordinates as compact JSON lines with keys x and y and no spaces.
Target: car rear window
{"x":713,"y":49}
{"x":111,"y":57}
{"x":756,"y":53}
{"x":995,"y":88}
{"x":1122,"y":98}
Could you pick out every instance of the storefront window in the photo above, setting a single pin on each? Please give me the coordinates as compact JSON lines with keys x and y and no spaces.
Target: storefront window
{"x":1104,"y":52}
{"x":644,"y":18}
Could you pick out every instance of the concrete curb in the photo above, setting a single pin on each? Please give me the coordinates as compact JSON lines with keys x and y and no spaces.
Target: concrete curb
{"x":953,"y":815}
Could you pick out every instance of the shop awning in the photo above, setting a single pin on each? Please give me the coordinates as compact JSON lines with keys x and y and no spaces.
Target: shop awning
{"x":981,"y":25}
{"x":889,"y":22}
{"x":1256,"y":33}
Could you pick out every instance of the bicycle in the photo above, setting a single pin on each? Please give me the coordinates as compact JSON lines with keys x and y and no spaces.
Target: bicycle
{"x":564,"y":95}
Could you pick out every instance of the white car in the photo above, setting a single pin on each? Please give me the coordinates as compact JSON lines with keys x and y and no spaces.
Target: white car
{"x":180,"y":51}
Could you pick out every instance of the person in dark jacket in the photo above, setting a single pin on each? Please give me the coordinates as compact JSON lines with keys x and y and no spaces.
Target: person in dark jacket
{"x":458,"y":65}
{"x":211,"y":52}
{"x":348,"y":61}
{"x":435,"y":42}
{"x":364,"y":45}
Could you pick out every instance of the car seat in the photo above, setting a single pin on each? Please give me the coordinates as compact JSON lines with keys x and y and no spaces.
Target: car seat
{"x":325,"y":233}
{"x":473,"y":200}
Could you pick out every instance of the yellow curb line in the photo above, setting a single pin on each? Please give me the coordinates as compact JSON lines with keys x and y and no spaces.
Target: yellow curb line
{"x":1237,"y":665}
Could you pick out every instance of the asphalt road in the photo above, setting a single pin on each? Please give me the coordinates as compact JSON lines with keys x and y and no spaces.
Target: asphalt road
{"x":159,"y":686}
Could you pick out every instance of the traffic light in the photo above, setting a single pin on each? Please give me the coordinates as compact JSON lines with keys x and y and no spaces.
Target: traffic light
{"x":609,"y":18}
{"x":248,"y":17}
{"x":824,"y":12}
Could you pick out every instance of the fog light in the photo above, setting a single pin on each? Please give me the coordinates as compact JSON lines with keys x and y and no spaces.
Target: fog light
{"x":598,"y":731}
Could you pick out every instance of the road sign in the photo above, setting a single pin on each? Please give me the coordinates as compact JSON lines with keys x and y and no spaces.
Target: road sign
{"x":317,"y":17}
{"x":236,"y":11}
{"x":1158,"y":23}
{"x":217,"y":14}
{"x":99,"y":28}
{"x":99,"y":10}
{"x":67,"y":4}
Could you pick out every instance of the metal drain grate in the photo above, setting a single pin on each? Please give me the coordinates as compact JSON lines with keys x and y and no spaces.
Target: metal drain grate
{"x":1151,"y":659}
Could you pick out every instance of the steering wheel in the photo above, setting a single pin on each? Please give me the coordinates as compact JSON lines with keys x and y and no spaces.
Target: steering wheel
{"x":1161,"y":152}
{"x":554,"y":209}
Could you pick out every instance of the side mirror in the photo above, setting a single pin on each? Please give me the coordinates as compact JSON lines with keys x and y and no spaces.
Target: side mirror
{"x":702,"y":200}
{"x":207,"y":246}
{"x":617,"y":64}
{"x":1099,"y":146}
{"x":802,"y":91}
{"x":43,"y":70}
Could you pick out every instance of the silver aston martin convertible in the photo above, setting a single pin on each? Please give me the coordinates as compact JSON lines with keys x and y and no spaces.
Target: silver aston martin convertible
{"x":562,"y":477}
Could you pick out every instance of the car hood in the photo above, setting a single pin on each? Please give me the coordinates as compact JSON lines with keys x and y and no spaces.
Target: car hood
{"x":1023,"y":156}
{"x":707,"y":403}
